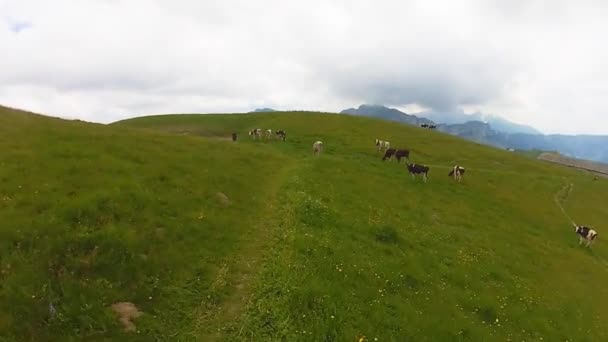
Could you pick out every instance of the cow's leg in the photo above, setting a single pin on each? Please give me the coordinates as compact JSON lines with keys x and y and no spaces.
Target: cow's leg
{"x":424,"y":177}
{"x":580,"y":240}
{"x":413,"y":176}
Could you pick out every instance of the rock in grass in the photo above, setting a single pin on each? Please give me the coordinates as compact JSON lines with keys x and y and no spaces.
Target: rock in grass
{"x":223,"y":199}
{"x":126,"y":312}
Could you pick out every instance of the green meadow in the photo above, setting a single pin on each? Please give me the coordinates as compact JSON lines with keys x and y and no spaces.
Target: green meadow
{"x":258,"y":240}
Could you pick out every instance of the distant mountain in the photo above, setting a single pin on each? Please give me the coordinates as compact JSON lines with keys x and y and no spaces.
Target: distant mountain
{"x":497,"y":123}
{"x":496,"y":131}
{"x":590,"y":147}
{"x":507,"y":126}
{"x":386,"y":113}
{"x":262,"y":110}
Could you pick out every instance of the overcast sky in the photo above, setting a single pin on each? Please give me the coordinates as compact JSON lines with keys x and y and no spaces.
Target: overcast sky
{"x":543,"y":63}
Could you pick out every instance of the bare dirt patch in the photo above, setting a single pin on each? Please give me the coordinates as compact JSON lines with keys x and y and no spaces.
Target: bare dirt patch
{"x":126,"y":312}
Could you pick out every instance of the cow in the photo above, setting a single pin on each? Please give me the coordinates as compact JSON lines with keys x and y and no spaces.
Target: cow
{"x":457,"y":172}
{"x":432,"y":126}
{"x":402,"y":153}
{"x":389,"y":154}
{"x":255,"y":133}
{"x":382,"y":145}
{"x":585,"y":233}
{"x":268,"y":133}
{"x":317,"y":148}
{"x":424,"y":125}
{"x":281,"y":134}
{"x":233,"y":136}
{"x":417,"y":169}
{"x":379,"y":144}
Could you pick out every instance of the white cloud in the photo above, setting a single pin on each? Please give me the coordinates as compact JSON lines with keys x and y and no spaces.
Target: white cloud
{"x":537,"y":62}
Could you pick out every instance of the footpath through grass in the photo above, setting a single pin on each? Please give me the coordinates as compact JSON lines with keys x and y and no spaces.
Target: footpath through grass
{"x":93,"y":215}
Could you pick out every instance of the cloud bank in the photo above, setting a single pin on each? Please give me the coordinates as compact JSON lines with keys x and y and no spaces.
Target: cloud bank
{"x":536,"y":62}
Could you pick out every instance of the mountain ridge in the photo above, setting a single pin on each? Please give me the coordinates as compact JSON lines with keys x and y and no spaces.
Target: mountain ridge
{"x":583,"y":146}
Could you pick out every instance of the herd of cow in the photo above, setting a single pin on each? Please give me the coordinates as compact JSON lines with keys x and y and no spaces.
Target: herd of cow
{"x":457,"y":172}
{"x":258,"y":134}
{"x":414,"y":169}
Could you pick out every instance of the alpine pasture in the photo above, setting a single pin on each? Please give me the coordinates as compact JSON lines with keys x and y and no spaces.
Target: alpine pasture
{"x":257,"y":240}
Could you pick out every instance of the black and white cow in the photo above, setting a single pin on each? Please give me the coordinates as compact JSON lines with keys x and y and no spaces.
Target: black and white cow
{"x":233,"y":136}
{"x":382,"y":145}
{"x":424,"y":125}
{"x":402,"y":153}
{"x":255,"y":133}
{"x":432,"y":126}
{"x":281,"y":134}
{"x":389,"y":154}
{"x":417,"y":169}
{"x":585,"y":233}
{"x":457,"y":172}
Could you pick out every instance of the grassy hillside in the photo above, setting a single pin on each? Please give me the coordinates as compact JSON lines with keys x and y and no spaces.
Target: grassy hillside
{"x":314,"y":249}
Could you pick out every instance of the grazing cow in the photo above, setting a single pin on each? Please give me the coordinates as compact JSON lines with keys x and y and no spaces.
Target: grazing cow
{"x":457,"y":172}
{"x":417,"y":169}
{"x":585,"y":233}
{"x":389,"y":154}
{"x":382,"y":145}
{"x":281,"y":134}
{"x":402,"y":153}
{"x":424,"y":125}
{"x":268,"y":133}
{"x":255,"y":133}
{"x":233,"y":136}
{"x":317,"y":148}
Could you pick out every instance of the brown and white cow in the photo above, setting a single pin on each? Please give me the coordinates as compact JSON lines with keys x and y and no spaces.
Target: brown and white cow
{"x":457,"y":172}
{"x":417,"y":169}
{"x":317,"y":148}
{"x":585,"y":233}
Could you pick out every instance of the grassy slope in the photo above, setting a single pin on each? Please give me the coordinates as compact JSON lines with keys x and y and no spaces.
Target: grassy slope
{"x":146,"y":201}
{"x":364,"y":250}
{"x":351,"y":246}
